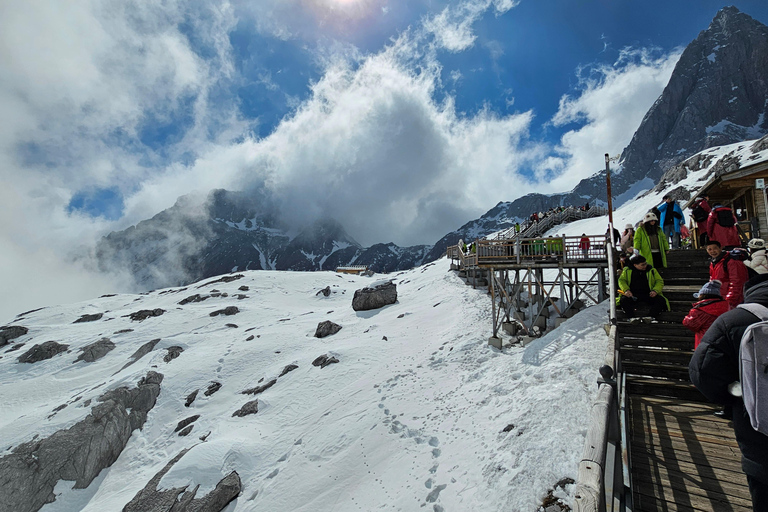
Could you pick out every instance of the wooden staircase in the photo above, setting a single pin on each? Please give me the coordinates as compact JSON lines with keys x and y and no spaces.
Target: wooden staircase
{"x":683,"y":458}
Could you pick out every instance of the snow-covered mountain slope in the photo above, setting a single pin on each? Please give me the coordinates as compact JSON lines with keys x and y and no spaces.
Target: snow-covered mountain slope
{"x":412,"y":415}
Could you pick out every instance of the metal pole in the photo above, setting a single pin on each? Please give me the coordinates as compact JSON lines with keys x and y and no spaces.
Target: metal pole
{"x":610,"y":197}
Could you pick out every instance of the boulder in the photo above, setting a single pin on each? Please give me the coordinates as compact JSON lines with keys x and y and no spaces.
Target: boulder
{"x":78,"y":454}
{"x":326,"y":328}
{"x":150,"y":499}
{"x":375,"y":296}
{"x":251,"y":407}
{"x":324,"y":361}
{"x":326,"y":292}
{"x":10,"y":333}
{"x":42,"y":351}
{"x":94,"y":351}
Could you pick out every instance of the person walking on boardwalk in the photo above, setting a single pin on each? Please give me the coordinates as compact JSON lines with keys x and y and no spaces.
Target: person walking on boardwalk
{"x":584,"y":245}
{"x":729,"y":271}
{"x":704,"y":312}
{"x":721,"y":226}
{"x":671,"y":219}
{"x":517,"y":228}
{"x":641,"y":283}
{"x":715,"y":366}
{"x":700,"y":213}
{"x":650,"y":242}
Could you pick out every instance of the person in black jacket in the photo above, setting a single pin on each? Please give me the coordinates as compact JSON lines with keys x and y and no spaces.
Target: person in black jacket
{"x":715,"y":365}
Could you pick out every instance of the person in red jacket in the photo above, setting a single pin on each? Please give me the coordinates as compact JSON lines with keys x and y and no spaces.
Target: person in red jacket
{"x":721,"y":226}
{"x":731,"y":272}
{"x":700,"y":212}
{"x":584,"y":245}
{"x":704,"y":312}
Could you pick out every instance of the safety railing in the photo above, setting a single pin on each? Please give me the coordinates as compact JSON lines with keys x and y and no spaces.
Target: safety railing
{"x":604,"y":479}
{"x":532,"y":228}
{"x":561,"y":249}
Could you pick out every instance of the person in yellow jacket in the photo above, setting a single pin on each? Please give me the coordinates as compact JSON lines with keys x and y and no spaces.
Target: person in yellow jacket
{"x":650,"y":241}
{"x":641,"y":283}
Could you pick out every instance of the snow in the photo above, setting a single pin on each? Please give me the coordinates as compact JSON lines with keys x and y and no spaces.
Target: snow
{"x":412,"y":420}
{"x":711,"y":57}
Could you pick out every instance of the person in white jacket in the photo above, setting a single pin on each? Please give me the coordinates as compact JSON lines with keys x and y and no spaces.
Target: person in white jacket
{"x":758,"y":260}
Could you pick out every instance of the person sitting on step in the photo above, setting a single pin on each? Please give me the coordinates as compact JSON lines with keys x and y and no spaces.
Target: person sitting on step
{"x":729,"y":271}
{"x":704,"y":312}
{"x":641,"y":283}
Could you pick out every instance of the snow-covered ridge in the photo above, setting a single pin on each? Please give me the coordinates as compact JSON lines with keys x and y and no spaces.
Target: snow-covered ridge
{"x":413,"y":414}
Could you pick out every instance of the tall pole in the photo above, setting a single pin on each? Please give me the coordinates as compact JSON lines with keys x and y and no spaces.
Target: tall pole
{"x":610,"y":197}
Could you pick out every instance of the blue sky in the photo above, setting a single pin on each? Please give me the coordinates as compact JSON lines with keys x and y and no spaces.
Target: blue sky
{"x":402,"y":119}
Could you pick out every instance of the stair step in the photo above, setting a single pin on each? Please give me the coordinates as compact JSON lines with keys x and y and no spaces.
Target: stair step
{"x":674,"y":317}
{"x":645,"y":369}
{"x":668,"y":342}
{"x":664,"y":387}
{"x":657,"y":355}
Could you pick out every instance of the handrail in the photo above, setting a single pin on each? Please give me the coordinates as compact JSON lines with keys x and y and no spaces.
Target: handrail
{"x":529,"y":228}
{"x":604,"y":479}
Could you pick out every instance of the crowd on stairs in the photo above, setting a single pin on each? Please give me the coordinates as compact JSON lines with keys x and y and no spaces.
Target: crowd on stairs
{"x":734,"y":298}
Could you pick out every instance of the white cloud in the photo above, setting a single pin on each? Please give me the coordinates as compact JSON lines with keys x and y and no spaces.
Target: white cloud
{"x":609,"y":107}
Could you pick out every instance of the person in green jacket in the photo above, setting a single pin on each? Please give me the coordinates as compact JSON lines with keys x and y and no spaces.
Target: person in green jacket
{"x":641,"y":283}
{"x":650,"y":241}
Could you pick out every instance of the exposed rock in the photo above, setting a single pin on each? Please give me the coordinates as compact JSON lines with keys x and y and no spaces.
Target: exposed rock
{"x":324,"y":361}
{"x":326,"y":328}
{"x":229,"y":311}
{"x":10,"y":333}
{"x":760,"y":145}
{"x":240,"y":296}
{"x":143,"y":350}
{"x":325,"y":291}
{"x":508,"y":428}
{"x":251,"y":407}
{"x":173,"y":352}
{"x":143,"y":314}
{"x":233,"y":326}
{"x":375,"y":296}
{"x":183,"y":423}
{"x":88,"y":318}
{"x":287,"y":369}
{"x":150,"y":499}
{"x":79,"y":453}
{"x":193,"y":298}
{"x":249,"y":338}
{"x":123,"y":331}
{"x":191,"y":398}
{"x":15,"y":347}
{"x":225,"y":279}
{"x":186,"y":430}
{"x":260,"y":389}
{"x":244,"y":288}
{"x":94,"y":351}
{"x":42,"y":351}
{"x":212,"y":388}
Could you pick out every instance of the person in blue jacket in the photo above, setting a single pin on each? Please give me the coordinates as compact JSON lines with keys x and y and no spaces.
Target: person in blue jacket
{"x":672,"y":219}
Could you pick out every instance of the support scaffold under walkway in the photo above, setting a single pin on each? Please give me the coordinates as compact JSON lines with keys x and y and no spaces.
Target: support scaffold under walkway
{"x":535,"y":283}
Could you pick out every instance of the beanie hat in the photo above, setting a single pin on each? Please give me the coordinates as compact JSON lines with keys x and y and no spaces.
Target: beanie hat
{"x":636,"y":259}
{"x":711,"y":288}
{"x":756,"y":243}
{"x":649,"y":217}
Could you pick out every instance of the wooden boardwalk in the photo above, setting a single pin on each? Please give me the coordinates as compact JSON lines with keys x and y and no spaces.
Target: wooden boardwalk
{"x":683,"y":457}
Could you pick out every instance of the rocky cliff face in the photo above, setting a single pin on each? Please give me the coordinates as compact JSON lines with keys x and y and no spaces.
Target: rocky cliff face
{"x":717,"y":95}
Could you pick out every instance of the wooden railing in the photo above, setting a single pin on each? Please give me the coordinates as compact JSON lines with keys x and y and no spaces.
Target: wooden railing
{"x":604,"y":479}
{"x":533,"y":228}
{"x":542,"y":250}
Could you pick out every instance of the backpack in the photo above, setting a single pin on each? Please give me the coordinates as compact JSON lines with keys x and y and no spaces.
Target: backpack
{"x":725,"y":217}
{"x":699,"y":213}
{"x":753,"y":368}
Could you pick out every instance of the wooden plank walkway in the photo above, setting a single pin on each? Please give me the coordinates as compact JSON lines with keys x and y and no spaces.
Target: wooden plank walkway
{"x":683,"y":457}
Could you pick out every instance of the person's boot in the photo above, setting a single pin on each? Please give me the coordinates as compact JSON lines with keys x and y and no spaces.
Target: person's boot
{"x":726,"y":413}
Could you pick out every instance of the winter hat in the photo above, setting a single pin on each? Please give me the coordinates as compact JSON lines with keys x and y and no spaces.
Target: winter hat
{"x":711,"y":288}
{"x":637,"y":259}
{"x":649,"y":217}
{"x":629,"y":226}
{"x":756,"y":243}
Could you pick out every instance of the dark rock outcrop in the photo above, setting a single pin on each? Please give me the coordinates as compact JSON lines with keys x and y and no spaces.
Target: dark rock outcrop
{"x":141,"y":352}
{"x":140,"y":316}
{"x":191,"y":398}
{"x":375,"y":296}
{"x":260,"y":389}
{"x":173,"y":352}
{"x":183,"y":423}
{"x":212,"y":388}
{"x":193,"y":298}
{"x":324,"y":361}
{"x":150,"y":499}
{"x":94,"y":351}
{"x":251,"y":407}
{"x":326,"y":328}
{"x":89,"y":318}
{"x":42,"y":351}
{"x":11,"y":332}
{"x":287,"y":369}
{"x":229,"y":311}
{"x":31,"y":471}
{"x":326,"y":292}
